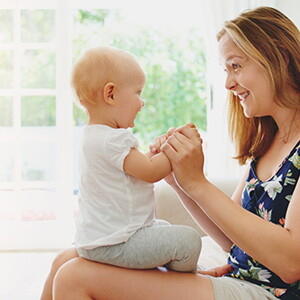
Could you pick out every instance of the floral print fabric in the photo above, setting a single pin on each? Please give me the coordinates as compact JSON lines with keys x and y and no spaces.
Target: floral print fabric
{"x":269,"y":200}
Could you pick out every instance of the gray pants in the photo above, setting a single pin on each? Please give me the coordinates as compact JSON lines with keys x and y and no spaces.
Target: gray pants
{"x":177,"y":247}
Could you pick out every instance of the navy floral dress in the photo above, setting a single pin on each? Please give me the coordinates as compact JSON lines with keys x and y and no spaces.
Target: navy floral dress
{"x":269,"y":200}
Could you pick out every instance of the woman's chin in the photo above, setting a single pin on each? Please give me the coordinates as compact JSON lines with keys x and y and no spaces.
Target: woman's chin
{"x":248,"y":114}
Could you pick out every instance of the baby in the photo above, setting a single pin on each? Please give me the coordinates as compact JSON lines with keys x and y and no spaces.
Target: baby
{"x":116,"y":219}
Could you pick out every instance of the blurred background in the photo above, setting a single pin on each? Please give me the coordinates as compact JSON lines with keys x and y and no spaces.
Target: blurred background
{"x":40,"y":126}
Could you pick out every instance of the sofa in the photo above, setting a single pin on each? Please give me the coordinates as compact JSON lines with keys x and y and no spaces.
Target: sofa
{"x":169,"y":208}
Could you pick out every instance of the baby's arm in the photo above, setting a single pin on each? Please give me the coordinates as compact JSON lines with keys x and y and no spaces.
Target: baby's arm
{"x":149,"y":168}
{"x":154,"y":165}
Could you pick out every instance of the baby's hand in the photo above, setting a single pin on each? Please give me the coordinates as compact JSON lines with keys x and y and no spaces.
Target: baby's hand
{"x":159,"y":141}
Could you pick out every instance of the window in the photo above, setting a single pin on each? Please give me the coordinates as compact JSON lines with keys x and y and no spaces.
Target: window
{"x":34,"y":167}
{"x":172,"y":54}
{"x":40,"y":126}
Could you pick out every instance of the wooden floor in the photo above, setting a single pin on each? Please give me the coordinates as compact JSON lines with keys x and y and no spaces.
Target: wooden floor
{"x":22,"y":274}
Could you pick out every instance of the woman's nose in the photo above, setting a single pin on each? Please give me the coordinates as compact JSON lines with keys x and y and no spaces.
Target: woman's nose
{"x":230,"y":83}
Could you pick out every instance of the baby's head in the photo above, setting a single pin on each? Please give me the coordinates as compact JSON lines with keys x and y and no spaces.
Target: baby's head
{"x":108,"y":83}
{"x":98,"y":66}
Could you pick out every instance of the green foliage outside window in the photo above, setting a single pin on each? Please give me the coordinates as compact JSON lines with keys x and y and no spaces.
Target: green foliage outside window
{"x":37,"y":25}
{"x":6,"y":111}
{"x":38,"y":111}
{"x":174,"y":63}
{"x":6,"y":24}
{"x":38,"y":69}
{"x":6,"y":68}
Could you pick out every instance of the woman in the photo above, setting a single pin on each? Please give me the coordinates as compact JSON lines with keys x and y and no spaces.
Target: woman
{"x":260,"y":225}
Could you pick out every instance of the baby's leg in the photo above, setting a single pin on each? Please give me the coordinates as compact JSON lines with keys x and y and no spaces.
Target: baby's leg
{"x":60,"y":259}
{"x":175,"y":246}
{"x":183,"y":244}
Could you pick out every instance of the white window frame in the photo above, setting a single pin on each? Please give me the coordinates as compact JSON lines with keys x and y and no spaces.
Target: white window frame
{"x":42,"y":234}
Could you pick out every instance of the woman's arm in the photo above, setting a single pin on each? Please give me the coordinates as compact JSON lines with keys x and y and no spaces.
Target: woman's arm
{"x":272,"y":245}
{"x":195,"y":210}
{"x":257,"y":237}
{"x":201,"y":218}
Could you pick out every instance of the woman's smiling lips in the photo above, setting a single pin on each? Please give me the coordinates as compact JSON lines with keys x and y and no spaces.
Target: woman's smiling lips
{"x":242,"y":96}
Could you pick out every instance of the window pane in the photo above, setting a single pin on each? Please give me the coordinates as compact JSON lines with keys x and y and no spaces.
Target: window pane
{"x":37,"y":25}
{"x":38,"y":161}
{"x":79,"y":116}
{"x":6,"y":25}
{"x":6,"y":164}
{"x":6,"y":111}
{"x":38,"y":69}
{"x":6,"y":69}
{"x":38,"y":111}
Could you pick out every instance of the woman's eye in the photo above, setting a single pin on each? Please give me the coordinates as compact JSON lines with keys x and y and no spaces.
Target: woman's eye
{"x":235,"y":66}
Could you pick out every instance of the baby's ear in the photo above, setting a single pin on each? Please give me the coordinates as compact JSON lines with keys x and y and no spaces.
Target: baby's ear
{"x":109,"y":93}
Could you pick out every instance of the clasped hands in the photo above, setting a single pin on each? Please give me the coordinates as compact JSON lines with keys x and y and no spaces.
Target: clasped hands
{"x":156,"y":147}
{"x":183,"y":147}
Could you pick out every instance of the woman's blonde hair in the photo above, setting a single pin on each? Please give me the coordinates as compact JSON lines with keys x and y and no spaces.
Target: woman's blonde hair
{"x":273,"y":41}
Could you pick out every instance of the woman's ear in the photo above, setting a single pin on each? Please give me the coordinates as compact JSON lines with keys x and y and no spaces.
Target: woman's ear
{"x":109,"y":93}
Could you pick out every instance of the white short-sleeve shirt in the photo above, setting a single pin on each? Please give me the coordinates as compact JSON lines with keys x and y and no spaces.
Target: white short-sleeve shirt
{"x":112,"y":205}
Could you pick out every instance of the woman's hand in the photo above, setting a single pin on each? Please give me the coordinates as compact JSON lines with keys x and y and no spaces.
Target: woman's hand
{"x":217,"y":271}
{"x":184,"y":149}
{"x":159,"y":141}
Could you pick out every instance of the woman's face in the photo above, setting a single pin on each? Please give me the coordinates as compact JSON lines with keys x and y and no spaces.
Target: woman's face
{"x":246,"y":79}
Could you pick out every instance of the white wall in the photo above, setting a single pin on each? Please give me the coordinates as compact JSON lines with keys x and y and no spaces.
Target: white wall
{"x":291,"y":8}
